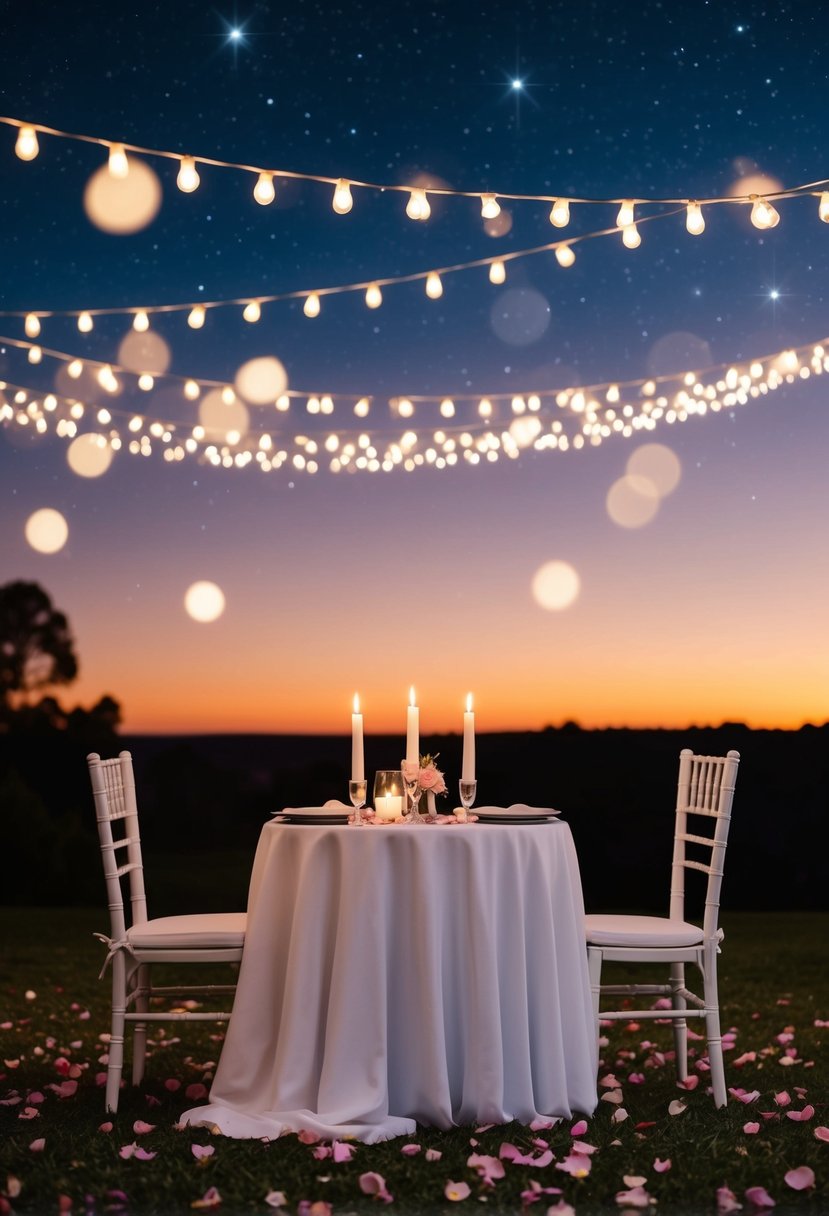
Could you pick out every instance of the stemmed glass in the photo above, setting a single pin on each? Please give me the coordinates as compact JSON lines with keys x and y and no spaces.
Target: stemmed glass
{"x":357,"y":794}
{"x":411,"y":772}
{"x":468,"y":790}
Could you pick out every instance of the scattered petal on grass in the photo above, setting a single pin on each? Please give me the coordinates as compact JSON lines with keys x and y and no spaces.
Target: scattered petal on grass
{"x":37,"y":1146}
{"x":210,"y":1199}
{"x":619,"y":1115}
{"x":342,"y":1152}
{"x":202,"y":1151}
{"x":801,"y":1116}
{"x":194,"y":1093}
{"x":577,"y":1165}
{"x":759,"y":1196}
{"x":276,"y":1199}
{"x":745,"y":1096}
{"x":171,"y":1085}
{"x":689,"y":1083}
{"x":456,"y":1191}
{"x":822,"y":1133}
{"x":800,"y":1179}
{"x":581,"y":1146}
{"x":661,"y":1167}
{"x":29,"y":1112}
{"x":410,"y":1150}
{"x":676,"y":1107}
{"x":751,"y":1129}
{"x":727,"y":1201}
{"x":637,"y":1197}
{"x":783,"y":1098}
{"x":375,"y":1184}
{"x":561,"y":1209}
{"x":105,"y":1127}
{"x":578,"y":1129}
{"x":489,"y":1169}
{"x":632,"y":1180}
{"x":141,"y":1128}
{"x":433,"y":1154}
{"x":306,"y":1137}
{"x":612,"y":1095}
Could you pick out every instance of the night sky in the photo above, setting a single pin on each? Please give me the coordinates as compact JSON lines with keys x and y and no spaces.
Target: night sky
{"x":334,"y":583}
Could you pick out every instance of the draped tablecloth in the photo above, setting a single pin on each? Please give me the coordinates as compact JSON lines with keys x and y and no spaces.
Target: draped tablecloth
{"x":400,"y":974}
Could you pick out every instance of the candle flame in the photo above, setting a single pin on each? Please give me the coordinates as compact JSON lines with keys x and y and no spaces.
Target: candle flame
{"x":356,"y":703}
{"x":469,"y":702}
{"x":412,"y":700}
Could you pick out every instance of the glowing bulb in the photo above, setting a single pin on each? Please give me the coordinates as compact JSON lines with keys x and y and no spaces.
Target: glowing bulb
{"x":27,"y":146}
{"x":823,"y":207}
{"x":694,"y":220}
{"x":35,"y":354}
{"x":560,"y":213}
{"x":74,"y":369}
{"x":311,"y":307}
{"x":374,"y":296}
{"x":188,"y":178}
{"x":624,"y":217}
{"x":118,"y":163}
{"x":418,"y":207}
{"x":107,"y":380}
{"x":447,"y":408}
{"x":342,"y":201}
{"x":191,"y":390}
{"x":252,"y":312}
{"x":196,"y":317}
{"x":145,"y":382}
{"x":264,"y":191}
{"x":85,"y":323}
{"x":228,"y":395}
{"x":497,"y":273}
{"x":490,"y":207}
{"x":763,"y":214}
{"x":141,"y":322}
{"x":565,"y":256}
{"x":631,"y":238}
{"x":434,"y":287}
{"x":32,"y":325}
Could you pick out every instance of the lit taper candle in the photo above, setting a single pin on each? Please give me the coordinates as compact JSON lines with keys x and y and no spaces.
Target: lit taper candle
{"x":358,"y":770}
{"x":468,"y":765}
{"x":412,"y":729}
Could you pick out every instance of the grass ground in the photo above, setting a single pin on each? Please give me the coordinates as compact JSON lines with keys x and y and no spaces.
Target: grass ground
{"x":57,"y":1152}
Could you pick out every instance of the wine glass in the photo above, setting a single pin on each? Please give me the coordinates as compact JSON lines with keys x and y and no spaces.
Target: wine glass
{"x":357,"y":794}
{"x":468,"y":790}
{"x":411,"y":774}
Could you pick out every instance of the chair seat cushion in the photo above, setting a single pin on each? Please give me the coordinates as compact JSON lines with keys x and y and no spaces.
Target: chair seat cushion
{"x":637,"y":931}
{"x":204,"y":929}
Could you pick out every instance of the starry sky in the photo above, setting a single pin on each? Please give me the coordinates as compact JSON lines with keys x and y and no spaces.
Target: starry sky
{"x":334,"y":583}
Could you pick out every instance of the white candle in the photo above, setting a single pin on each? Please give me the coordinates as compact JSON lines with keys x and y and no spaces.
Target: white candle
{"x":388,"y":806}
{"x":358,"y":770}
{"x":468,"y":766}
{"x":412,"y":729}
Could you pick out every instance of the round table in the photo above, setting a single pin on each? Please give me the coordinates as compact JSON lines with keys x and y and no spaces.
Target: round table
{"x":394,"y":974}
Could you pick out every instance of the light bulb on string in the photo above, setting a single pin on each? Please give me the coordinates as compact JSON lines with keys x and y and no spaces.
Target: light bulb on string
{"x":560,"y":213}
{"x":374,"y":296}
{"x":823,"y":207}
{"x":418,"y":207}
{"x":497,"y":273}
{"x":434,"y":287}
{"x":763,"y":214}
{"x":32,"y":325}
{"x":447,"y":408}
{"x":117,"y":163}
{"x":195,"y":318}
{"x":74,"y":369}
{"x":624,"y":217}
{"x":565,"y":256}
{"x":85,"y":323}
{"x":630,"y":237}
{"x":490,"y":207}
{"x":311,"y":307}
{"x":35,"y":354}
{"x":191,"y":390}
{"x":694,"y":219}
{"x":252,"y":312}
{"x":26,"y":145}
{"x":188,"y":177}
{"x":141,"y":322}
{"x":264,"y":191}
{"x":145,"y":382}
{"x":342,"y":201}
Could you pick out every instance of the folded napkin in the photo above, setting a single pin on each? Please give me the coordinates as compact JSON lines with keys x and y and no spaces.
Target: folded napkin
{"x":518,"y":809}
{"x":331,"y":807}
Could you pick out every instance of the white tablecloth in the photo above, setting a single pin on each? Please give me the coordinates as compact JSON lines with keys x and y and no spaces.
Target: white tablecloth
{"x":398,"y":974}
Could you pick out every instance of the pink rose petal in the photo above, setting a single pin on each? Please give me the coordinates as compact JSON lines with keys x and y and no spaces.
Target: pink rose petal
{"x":375,"y":1184}
{"x":822,"y":1133}
{"x":727,"y":1201}
{"x":800,"y":1179}
{"x":141,"y":1154}
{"x":105,"y":1127}
{"x":661,"y":1167}
{"x":632,"y":1180}
{"x":210,"y":1199}
{"x":195,"y":1091}
{"x":578,"y":1129}
{"x":141,"y":1128}
{"x":433,"y":1154}
{"x":783,"y":1098}
{"x":676,"y":1107}
{"x":456,"y":1191}
{"x":637,"y":1197}
{"x":172,"y":1084}
{"x":759,"y":1196}
{"x":342,"y":1152}
{"x":202,"y":1151}
{"x":751,"y":1129}
{"x":37,"y":1146}
{"x":410,"y":1150}
{"x":801,"y":1116}
{"x":306,"y":1137}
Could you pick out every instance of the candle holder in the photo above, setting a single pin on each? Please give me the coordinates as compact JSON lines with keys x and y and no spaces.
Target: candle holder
{"x":389,"y":796}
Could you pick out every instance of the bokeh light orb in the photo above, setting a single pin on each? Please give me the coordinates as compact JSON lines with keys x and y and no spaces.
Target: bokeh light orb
{"x":499,"y":225}
{"x":520,"y":316}
{"x":147,"y":352}
{"x":632,"y":501}
{"x":89,"y":455}
{"x":678,"y":351}
{"x":261,"y":381}
{"x":658,"y":464}
{"x":123,"y":204}
{"x":46,"y":530}
{"x":204,"y":601}
{"x":555,"y":586}
{"x":220,"y":418}
{"x":525,"y":430}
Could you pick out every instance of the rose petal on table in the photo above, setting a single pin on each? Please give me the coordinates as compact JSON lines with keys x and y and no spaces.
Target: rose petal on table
{"x":375,"y":1184}
{"x":727,"y":1201}
{"x":637,"y":1197}
{"x":202,"y":1151}
{"x":801,"y":1116}
{"x":822,"y":1133}
{"x":456,"y":1191}
{"x":800,"y":1179}
{"x":751,"y":1129}
{"x":578,"y":1129}
{"x":141,"y":1128}
{"x":37,"y":1146}
{"x":759,"y":1196}
{"x":661,"y":1167}
{"x":210,"y":1199}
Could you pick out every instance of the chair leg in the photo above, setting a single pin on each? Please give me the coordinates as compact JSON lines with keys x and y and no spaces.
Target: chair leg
{"x":116,"y":1036}
{"x":680,"y":1026}
{"x":712,"y":1030}
{"x":142,"y":1004}
{"x":594,"y":963}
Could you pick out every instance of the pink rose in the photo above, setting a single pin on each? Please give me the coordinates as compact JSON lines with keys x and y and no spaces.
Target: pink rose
{"x":429,"y":777}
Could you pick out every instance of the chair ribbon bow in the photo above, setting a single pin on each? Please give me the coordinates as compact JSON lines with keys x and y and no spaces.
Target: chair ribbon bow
{"x":113,"y":948}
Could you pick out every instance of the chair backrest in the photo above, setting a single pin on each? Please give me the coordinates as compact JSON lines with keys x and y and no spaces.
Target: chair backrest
{"x":113,"y":786}
{"x":705,"y":789}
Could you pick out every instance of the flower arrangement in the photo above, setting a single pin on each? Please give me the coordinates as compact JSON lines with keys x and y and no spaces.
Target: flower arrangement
{"x":430,"y":778}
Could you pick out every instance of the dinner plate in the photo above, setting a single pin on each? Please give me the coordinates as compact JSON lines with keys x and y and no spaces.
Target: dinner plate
{"x":529,"y":819}
{"x":331,"y":820}
{"x":519,"y":812}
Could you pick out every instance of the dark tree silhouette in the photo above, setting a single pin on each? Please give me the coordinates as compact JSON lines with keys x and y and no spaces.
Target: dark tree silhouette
{"x":36,"y":645}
